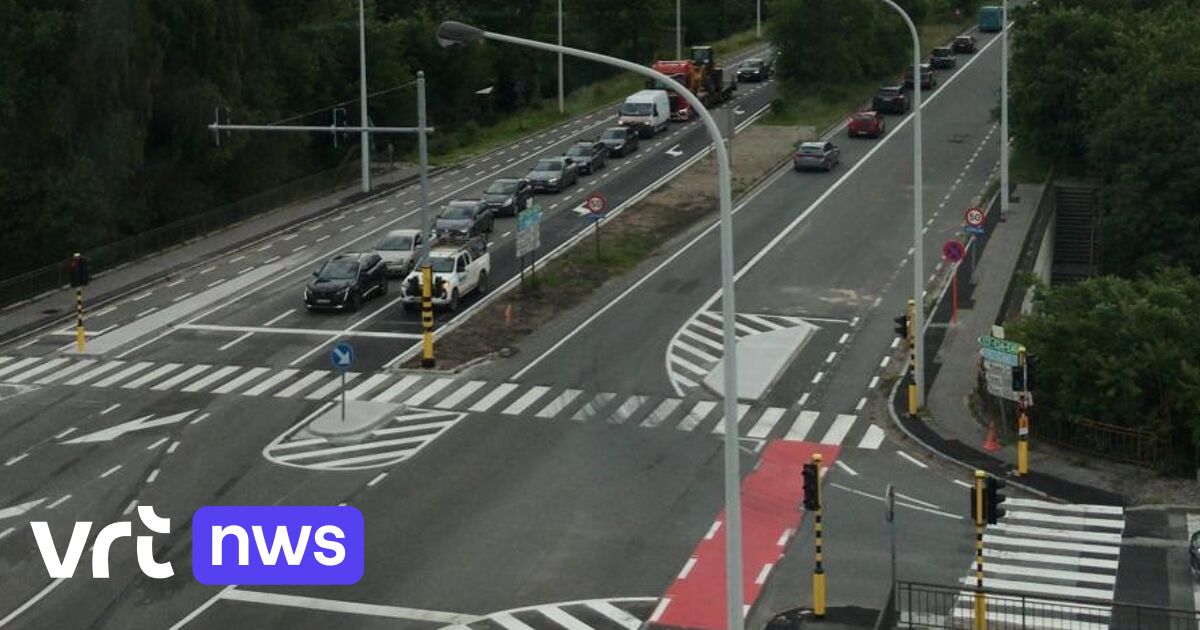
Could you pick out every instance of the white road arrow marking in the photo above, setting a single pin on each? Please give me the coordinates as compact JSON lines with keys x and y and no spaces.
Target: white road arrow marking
{"x":581,"y":209}
{"x":18,"y":510}
{"x":739,"y":111}
{"x":145,"y":422}
{"x":675,"y":151}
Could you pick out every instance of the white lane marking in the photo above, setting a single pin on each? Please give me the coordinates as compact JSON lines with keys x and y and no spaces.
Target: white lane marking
{"x":265,"y":385}
{"x":862,"y":402}
{"x":766,"y":422}
{"x":712,"y":530}
{"x":460,"y":394}
{"x":173,"y":447}
{"x":200,"y":418}
{"x":528,"y":398}
{"x":66,"y":433}
{"x":206,"y":270}
{"x":157,"y":444}
{"x":831,"y":357}
{"x":763,"y":573}
{"x":963,"y":483}
{"x":817,"y":378}
{"x":302,"y":384}
{"x":181,"y":377}
{"x":883,"y":363}
{"x":803,"y":424}
{"x":783,"y":538}
{"x":493,"y":397}
{"x":912,"y":459}
{"x":849,"y":471}
{"x":16,"y":459}
{"x":872,"y":438}
{"x":838,"y":430}
{"x":31,"y":601}
{"x":152,"y":476}
{"x":428,"y":391}
{"x":904,"y":504}
{"x":141,"y":297}
{"x":111,"y":471}
{"x":182,"y":297}
{"x":803,"y":399}
{"x":177,"y":282}
{"x":396,"y":388}
{"x":61,"y":500}
{"x":240,"y":380}
{"x":873,"y":383}
{"x":843,"y":338}
{"x":377,"y":479}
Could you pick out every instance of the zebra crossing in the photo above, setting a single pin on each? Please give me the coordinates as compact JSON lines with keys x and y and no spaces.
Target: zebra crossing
{"x":697,"y":347}
{"x":446,"y":393}
{"x":1051,"y":550}
{"x":399,"y":439}
{"x":597,"y":614}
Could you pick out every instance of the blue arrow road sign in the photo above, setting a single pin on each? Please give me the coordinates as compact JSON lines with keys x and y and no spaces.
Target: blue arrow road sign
{"x":342,"y":356}
{"x":978,"y":231}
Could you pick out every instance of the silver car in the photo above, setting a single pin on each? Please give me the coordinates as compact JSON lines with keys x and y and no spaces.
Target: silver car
{"x":400,"y":250}
{"x":816,"y":155}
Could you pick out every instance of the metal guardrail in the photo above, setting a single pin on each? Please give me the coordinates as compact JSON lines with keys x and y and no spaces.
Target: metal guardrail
{"x":931,"y":606}
{"x":105,"y":257}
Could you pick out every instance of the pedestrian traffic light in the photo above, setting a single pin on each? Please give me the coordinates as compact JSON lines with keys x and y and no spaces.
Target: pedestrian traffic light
{"x":992,"y":500}
{"x":812,"y":499}
{"x":78,"y":271}
{"x":1018,"y":378}
{"x":1031,"y":363}
{"x":901,"y":326}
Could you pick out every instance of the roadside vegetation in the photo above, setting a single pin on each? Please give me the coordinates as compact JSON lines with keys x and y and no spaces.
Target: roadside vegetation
{"x":1096,"y":90}
{"x":103,"y":113}
{"x":833,"y":56}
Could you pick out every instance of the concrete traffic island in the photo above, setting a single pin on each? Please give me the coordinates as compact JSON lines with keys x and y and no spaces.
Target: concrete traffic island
{"x":762,"y":359}
{"x":361,"y":418}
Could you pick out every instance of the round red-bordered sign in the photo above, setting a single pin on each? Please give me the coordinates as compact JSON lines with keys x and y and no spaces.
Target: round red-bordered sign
{"x":596,"y":203}
{"x":974,"y":217}
{"x":953,"y":251}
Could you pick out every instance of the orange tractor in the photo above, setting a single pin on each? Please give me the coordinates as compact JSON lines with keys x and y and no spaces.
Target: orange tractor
{"x":700,"y":74}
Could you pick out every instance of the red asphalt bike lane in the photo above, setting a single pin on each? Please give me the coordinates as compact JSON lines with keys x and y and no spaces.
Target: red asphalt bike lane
{"x":771,"y":514}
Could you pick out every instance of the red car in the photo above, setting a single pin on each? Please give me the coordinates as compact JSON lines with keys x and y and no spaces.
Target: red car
{"x":866,"y":123}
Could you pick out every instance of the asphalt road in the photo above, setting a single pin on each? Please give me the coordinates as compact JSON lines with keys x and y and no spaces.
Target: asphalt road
{"x":572,"y":484}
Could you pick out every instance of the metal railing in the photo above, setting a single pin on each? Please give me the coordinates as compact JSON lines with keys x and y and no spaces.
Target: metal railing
{"x":37,"y":281}
{"x":932,"y":606}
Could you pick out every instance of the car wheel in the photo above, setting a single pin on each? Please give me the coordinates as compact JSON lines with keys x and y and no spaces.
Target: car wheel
{"x":483,"y":282}
{"x":454,"y":300}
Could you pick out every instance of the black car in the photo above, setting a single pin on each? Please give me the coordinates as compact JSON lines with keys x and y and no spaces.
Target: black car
{"x":942,"y":58}
{"x":963,"y":44}
{"x":928,"y":82}
{"x":464,"y":217}
{"x":1194,"y":554}
{"x":553,"y":174}
{"x":508,"y":196}
{"x":345,"y":281}
{"x":754,"y":69}
{"x":890,"y":100}
{"x":588,"y":156}
{"x":621,"y":141}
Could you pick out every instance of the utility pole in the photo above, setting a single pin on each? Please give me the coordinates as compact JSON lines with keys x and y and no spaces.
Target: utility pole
{"x":758,"y":19}
{"x":1004,"y":109}
{"x":561,"y":105}
{"x":362,"y":97}
{"x":427,"y":360}
{"x":679,"y":29}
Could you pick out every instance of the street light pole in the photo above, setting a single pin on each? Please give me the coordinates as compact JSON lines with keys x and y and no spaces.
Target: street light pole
{"x":678,"y":29}
{"x":758,"y":19}
{"x":427,"y":357}
{"x":362,"y":97}
{"x":918,"y":215}
{"x":561,"y":105}
{"x":1004,"y":108}
{"x":450,"y":33}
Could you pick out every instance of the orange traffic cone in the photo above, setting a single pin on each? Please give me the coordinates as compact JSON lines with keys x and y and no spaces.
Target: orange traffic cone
{"x":990,"y":443}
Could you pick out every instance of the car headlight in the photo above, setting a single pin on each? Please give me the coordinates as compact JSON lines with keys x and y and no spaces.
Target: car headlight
{"x":307,"y":293}
{"x":346,"y":292}
{"x":509,"y":201}
{"x":553,"y":180}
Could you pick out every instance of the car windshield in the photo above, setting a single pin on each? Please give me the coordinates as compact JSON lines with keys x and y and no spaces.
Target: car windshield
{"x":502,"y":188}
{"x":864,"y":116}
{"x":941,"y":52}
{"x":811,"y":150}
{"x":636,"y":109}
{"x":457,"y":212}
{"x":339,"y":270}
{"x":753,"y":64}
{"x":889,"y":92}
{"x":548,"y":165}
{"x":396,"y":243}
{"x":614,"y":134}
{"x":441,"y":264}
{"x":576,"y":151}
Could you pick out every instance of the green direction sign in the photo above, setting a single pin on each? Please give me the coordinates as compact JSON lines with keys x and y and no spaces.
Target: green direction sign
{"x":1000,"y":345}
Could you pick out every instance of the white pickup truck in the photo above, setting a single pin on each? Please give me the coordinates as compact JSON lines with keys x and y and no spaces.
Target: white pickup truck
{"x":458,"y":269}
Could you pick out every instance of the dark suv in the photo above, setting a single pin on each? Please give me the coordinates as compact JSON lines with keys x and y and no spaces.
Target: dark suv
{"x":345,"y":281}
{"x":890,"y":100}
{"x":621,"y":141}
{"x":588,"y":156}
{"x":508,"y":196}
{"x":942,"y":58}
{"x":928,"y":82}
{"x":464,"y":217}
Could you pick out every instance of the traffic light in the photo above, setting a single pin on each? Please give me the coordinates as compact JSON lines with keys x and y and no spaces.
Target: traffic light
{"x":901,"y":326}
{"x":811,"y":475}
{"x":992,"y":500}
{"x":79,"y":271}
{"x":1018,"y":378}
{"x":1031,"y":363}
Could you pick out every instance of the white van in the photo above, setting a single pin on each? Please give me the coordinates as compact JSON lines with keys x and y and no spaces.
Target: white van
{"x":648,"y":111}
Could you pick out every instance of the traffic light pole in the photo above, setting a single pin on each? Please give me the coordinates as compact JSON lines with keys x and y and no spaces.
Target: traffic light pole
{"x":80,"y":334}
{"x":1023,"y":418}
{"x":818,"y":565}
{"x":914,"y":403}
{"x":980,"y":599}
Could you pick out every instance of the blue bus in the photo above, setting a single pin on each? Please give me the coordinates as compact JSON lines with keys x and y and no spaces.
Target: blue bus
{"x":991,"y":19}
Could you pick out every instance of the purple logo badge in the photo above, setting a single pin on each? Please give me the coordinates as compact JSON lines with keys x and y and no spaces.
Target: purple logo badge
{"x":277,"y":545}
